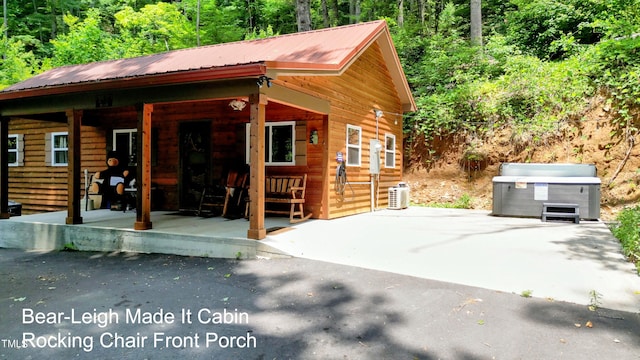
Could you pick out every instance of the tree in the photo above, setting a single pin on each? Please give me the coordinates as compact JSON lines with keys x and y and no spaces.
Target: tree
{"x":153,"y":29}
{"x":303,"y":15}
{"x":219,"y":21}
{"x":85,"y":42}
{"x":539,"y":27}
{"x":18,"y":64}
{"x":476,"y":22}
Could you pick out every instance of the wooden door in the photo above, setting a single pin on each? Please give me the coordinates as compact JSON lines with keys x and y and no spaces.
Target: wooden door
{"x":195,"y":162}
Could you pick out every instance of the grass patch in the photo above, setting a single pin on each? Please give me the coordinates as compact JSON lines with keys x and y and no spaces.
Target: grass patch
{"x":463,"y":202}
{"x":626,"y":230}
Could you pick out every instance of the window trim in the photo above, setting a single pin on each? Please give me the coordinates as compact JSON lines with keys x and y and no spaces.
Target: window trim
{"x":348,"y":161}
{"x":54,"y":150}
{"x":268,"y":125}
{"x":16,"y":151}
{"x":390,"y":153}
{"x":131,"y":144}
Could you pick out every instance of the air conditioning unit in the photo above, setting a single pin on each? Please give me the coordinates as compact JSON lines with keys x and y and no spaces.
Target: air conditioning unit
{"x":398,"y":198}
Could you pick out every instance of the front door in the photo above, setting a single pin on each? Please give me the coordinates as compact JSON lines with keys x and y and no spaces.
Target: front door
{"x":195,"y":162}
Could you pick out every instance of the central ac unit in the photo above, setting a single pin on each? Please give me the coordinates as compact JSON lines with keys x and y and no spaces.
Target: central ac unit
{"x":398,"y":198}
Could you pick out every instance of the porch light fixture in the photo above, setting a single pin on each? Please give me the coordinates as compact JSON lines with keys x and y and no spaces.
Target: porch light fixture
{"x":262,"y":79}
{"x":379,"y":114}
{"x":237,"y":104}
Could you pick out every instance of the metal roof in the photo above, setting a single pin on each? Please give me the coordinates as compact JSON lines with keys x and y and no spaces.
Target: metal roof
{"x":325,"y":50}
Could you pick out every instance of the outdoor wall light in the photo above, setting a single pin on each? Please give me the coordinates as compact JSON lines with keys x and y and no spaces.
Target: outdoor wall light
{"x":262,"y":79}
{"x":313,"y":138}
{"x":379,"y":114}
{"x":237,"y":104}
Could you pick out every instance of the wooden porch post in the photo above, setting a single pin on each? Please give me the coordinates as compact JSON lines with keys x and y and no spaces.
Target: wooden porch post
{"x":4,"y":168}
{"x":257,"y":230}
{"x":74,"y":121}
{"x":143,"y":173}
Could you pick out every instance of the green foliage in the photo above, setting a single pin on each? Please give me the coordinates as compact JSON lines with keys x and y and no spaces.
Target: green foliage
{"x":18,"y":63}
{"x":460,"y":88}
{"x":463,"y":202}
{"x":220,"y":21}
{"x":261,"y":34}
{"x":595,"y":300}
{"x":153,"y":29}
{"x":70,"y":246}
{"x":615,"y":68}
{"x":85,"y":42}
{"x":544,"y":28}
{"x":626,"y":230}
{"x":526,"y":293}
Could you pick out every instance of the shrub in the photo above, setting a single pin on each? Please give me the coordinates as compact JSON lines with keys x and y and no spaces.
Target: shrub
{"x":627,"y":231}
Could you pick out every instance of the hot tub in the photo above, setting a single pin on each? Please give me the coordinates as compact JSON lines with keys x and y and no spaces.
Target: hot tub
{"x":521,"y":189}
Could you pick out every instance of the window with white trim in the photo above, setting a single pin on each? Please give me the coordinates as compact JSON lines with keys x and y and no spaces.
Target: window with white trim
{"x":389,"y":151}
{"x":280,"y":139}
{"x":16,"y":150}
{"x":59,"y":149}
{"x":125,"y":142}
{"x":354,"y":145}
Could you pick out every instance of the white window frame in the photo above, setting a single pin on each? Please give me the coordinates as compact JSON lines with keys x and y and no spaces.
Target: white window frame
{"x":358,"y":147}
{"x":389,"y":154}
{"x":55,"y":150}
{"x":17,"y":150}
{"x":269,"y":134}
{"x":131,"y":144}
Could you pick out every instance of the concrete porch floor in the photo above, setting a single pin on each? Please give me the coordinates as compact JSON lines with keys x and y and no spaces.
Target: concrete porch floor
{"x":172,"y":233}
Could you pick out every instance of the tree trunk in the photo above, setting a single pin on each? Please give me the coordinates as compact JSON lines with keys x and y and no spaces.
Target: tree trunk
{"x":198,"y":24}
{"x":400,"y":13}
{"x":423,"y":12}
{"x":325,"y":14}
{"x":335,"y":13}
{"x":303,"y":14}
{"x":476,"y":22}
{"x":354,"y":11}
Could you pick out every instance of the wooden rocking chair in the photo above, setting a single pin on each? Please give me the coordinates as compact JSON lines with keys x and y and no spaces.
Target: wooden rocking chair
{"x":217,"y":198}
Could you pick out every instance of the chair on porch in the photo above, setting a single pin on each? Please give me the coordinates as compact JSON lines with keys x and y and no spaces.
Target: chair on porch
{"x":224,"y":200}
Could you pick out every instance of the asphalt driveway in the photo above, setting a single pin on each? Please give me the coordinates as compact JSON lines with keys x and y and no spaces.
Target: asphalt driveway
{"x":81,"y":305}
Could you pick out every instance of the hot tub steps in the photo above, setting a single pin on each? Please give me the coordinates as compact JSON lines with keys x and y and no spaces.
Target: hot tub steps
{"x":560,"y":211}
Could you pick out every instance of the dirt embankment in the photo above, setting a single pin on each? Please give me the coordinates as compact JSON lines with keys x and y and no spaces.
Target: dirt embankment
{"x":452,"y":167}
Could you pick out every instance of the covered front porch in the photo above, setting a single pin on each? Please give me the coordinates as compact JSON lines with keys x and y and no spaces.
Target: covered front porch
{"x":113,"y":231}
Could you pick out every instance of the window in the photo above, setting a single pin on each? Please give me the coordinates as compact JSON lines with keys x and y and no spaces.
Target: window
{"x":16,"y":150}
{"x":389,"y":151}
{"x":279,"y":143}
{"x":354,"y":145}
{"x":59,"y":149}
{"x":125,"y":142}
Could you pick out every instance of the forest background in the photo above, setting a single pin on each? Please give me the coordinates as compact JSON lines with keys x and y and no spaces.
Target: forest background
{"x":494,"y":81}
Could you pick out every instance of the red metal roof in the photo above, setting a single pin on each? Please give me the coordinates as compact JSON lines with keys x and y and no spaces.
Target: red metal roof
{"x":322,"y":50}
{"x":326,"y":49}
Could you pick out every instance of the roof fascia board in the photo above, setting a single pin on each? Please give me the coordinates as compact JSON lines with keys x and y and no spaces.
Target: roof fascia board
{"x":128,"y":97}
{"x":383,"y":38}
{"x":190,"y":76}
{"x":395,"y":68}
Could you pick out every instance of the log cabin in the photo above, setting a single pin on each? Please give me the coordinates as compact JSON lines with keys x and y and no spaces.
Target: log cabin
{"x":326,"y":103}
